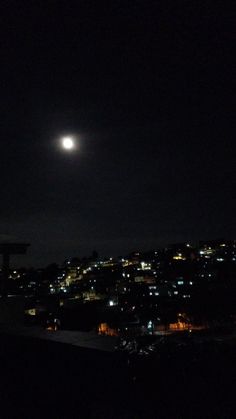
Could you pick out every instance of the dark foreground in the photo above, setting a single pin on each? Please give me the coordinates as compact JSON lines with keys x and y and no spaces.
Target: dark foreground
{"x":41,"y":379}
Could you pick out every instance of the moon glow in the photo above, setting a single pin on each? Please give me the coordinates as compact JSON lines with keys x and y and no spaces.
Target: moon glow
{"x":68,"y":143}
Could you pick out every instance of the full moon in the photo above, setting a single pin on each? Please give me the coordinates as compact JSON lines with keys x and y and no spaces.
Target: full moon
{"x":68,"y":143}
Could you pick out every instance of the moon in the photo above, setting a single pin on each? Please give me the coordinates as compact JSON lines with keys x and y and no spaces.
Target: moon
{"x":68,"y":143}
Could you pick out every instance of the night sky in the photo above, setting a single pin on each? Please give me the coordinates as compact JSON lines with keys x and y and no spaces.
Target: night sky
{"x":147,"y":88}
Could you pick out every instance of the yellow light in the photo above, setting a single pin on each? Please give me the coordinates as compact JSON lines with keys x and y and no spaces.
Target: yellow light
{"x":31,"y":312}
{"x":179,"y":257}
